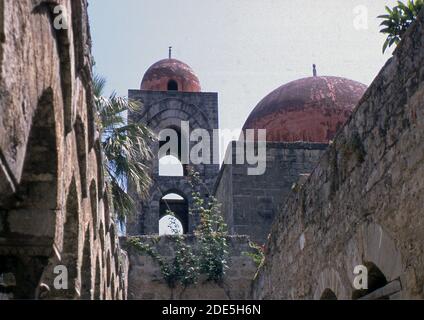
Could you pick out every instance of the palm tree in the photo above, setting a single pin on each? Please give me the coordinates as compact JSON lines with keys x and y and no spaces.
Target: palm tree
{"x":398,"y":20}
{"x":125,"y":147}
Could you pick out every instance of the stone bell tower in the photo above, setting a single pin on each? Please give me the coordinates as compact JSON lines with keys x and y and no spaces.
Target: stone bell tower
{"x":170,"y":93}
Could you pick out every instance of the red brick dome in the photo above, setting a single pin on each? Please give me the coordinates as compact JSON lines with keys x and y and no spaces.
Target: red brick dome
{"x":310,"y":109}
{"x":170,"y":75}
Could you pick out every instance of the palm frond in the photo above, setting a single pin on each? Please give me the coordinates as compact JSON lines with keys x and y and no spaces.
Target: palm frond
{"x":99,"y":84}
{"x":125,"y":147}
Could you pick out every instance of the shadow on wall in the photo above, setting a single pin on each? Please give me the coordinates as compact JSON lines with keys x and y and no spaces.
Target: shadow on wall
{"x":28,"y":219}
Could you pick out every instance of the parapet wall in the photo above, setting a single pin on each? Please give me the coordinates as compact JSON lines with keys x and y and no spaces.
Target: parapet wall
{"x":364,"y":201}
{"x":146,"y":281}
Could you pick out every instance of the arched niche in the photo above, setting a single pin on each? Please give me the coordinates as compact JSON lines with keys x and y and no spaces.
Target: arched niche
{"x":28,"y":217}
{"x":98,"y":280}
{"x":71,"y":234}
{"x":375,"y":278}
{"x":329,"y":281}
{"x":328,"y":294}
{"x":35,"y":201}
{"x":82,"y":151}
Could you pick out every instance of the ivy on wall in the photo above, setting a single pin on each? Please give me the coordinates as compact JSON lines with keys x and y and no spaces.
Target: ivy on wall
{"x":209,"y":257}
{"x":257,"y":254}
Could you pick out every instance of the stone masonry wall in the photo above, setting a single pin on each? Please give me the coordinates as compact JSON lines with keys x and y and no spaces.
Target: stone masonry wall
{"x":250,"y":203}
{"x":54,"y":208}
{"x":364,"y":201}
{"x":146,"y":282}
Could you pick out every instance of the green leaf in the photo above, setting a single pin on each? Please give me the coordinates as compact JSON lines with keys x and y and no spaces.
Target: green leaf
{"x":386,"y":30}
{"x":389,"y":10}
{"x":398,"y":20}
{"x":386,"y":44}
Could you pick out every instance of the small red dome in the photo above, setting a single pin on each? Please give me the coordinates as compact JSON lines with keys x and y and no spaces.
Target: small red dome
{"x":310,"y":109}
{"x":170,"y":75}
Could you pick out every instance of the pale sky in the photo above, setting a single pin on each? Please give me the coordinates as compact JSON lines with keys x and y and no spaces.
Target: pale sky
{"x":242,"y":49}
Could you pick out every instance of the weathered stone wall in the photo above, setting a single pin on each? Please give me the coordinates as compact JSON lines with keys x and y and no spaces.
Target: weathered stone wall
{"x":146,"y":281}
{"x":54,"y":208}
{"x":250,"y":203}
{"x":223,"y":192}
{"x":363,"y":204}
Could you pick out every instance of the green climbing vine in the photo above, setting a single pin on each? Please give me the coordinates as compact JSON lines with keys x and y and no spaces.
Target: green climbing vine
{"x":257,"y":254}
{"x":182,"y":268}
{"x":209,"y":257}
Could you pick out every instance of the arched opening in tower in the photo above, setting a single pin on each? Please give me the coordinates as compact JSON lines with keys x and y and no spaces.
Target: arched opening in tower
{"x":170,"y":155}
{"x":173,"y":215}
{"x":170,"y":166}
{"x":172,"y":85}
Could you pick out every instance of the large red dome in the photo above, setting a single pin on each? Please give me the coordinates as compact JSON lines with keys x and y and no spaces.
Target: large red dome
{"x":170,"y":74}
{"x":310,"y":109}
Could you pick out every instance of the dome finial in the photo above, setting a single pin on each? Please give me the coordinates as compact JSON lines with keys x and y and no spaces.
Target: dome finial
{"x":170,"y":52}
{"x":315,"y":70}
